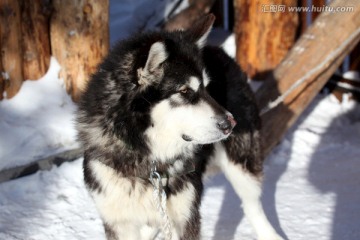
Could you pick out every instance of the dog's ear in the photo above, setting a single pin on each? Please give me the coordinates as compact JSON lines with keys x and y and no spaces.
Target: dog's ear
{"x":153,"y":70}
{"x":199,"y":32}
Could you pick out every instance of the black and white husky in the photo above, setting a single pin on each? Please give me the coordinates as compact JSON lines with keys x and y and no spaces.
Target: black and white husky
{"x":164,"y":100}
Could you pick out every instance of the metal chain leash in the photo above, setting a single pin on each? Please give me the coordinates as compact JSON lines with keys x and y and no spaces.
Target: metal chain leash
{"x":160,"y":199}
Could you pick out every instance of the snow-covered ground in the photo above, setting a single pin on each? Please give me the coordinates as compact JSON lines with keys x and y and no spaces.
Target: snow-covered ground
{"x":311,"y":189}
{"x":311,"y":185}
{"x":37,"y":122}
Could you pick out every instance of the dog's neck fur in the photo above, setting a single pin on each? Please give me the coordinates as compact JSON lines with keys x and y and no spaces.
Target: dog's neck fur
{"x":130,"y":162}
{"x":165,"y":152}
{"x":164,"y":148}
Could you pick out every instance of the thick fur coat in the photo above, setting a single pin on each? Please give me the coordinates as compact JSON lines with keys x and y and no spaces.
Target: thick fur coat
{"x":164,"y":99}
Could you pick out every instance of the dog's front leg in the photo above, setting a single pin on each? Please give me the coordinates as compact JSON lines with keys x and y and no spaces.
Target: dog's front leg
{"x":248,"y":188}
{"x":183,"y":209}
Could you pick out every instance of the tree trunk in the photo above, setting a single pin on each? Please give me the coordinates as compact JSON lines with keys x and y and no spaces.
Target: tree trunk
{"x":2,"y":80}
{"x":10,"y":43}
{"x":315,"y":57}
{"x":264,"y":34}
{"x":35,"y":37}
{"x":79,"y":39}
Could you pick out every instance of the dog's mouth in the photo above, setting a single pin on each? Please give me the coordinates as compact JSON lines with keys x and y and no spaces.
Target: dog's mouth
{"x":212,"y":139}
{"x":186,"y":138}
{"x":224,"y":126}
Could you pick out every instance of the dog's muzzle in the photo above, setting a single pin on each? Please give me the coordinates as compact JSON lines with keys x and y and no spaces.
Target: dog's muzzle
{"x":226,"y":123}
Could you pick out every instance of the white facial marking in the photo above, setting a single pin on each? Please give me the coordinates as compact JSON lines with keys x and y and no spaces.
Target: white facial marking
{"x":205,"y":78}
{"x":197,"y":121}
{"x":165,"y":135}
{"x":176,"y":98}
{"x":194,"y":83}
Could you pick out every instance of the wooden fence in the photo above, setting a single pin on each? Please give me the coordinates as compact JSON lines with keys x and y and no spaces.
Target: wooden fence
{"x":266,"y":30}
{"x":75,"y":32}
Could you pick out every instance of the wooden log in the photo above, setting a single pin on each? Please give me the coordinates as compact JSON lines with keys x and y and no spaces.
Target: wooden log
{"x":2,"y":79}
{"x":43,"y":164}
{"x":315,"y":57}
{"x":184,"y":19}
{"x":264,"y":34}
{"x":79,"y":35}
{"x":35,"y":16}
{"x":10,"y":44}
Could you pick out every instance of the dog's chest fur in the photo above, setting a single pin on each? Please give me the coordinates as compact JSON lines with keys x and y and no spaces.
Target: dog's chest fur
{"x":122,"y":199}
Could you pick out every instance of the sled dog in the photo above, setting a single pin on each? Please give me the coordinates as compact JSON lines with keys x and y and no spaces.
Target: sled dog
{"x":162,"y":109}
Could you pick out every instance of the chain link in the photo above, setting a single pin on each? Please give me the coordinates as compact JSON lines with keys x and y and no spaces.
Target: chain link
{"x":160,"y":200}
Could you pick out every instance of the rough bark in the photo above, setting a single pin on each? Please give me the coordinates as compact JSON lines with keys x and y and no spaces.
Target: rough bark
{"x":322,"y":47}
{"x":2,"y":80}
{"x":79,"y":39}
{"x":35,"y":37}
{"x":10,"y":43}
{"x":264,"y":34}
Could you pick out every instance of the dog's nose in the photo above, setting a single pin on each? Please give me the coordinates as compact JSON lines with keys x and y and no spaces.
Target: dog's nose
{"x":226,"y":123}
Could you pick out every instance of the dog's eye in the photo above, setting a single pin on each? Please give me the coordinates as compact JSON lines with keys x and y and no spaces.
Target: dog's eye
{"x":184,"y":89}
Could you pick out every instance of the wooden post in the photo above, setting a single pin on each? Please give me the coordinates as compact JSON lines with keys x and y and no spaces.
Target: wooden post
{"x":2,"y":80}
{"x":79,"y":39}
{"x":265,"y":31}
{"x":10,"y":43}
{"x":35,"y":36}
{"x":316,"y":56}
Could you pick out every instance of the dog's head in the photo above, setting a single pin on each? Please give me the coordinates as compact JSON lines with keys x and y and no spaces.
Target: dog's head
{"x":186,"y":112}
{"x":155,"y":91}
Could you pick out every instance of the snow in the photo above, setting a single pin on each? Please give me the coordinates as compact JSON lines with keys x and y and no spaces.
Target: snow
{"x":48,"y":205}
{"x":311,"y":183}
{"x":37,"y":122}
{"x":310,"y":189}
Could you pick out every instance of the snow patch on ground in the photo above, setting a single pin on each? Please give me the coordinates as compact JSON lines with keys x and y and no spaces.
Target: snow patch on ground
{"x":49,"y":205}
{"x":310,"y":189}
{"x":37,"y":122}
